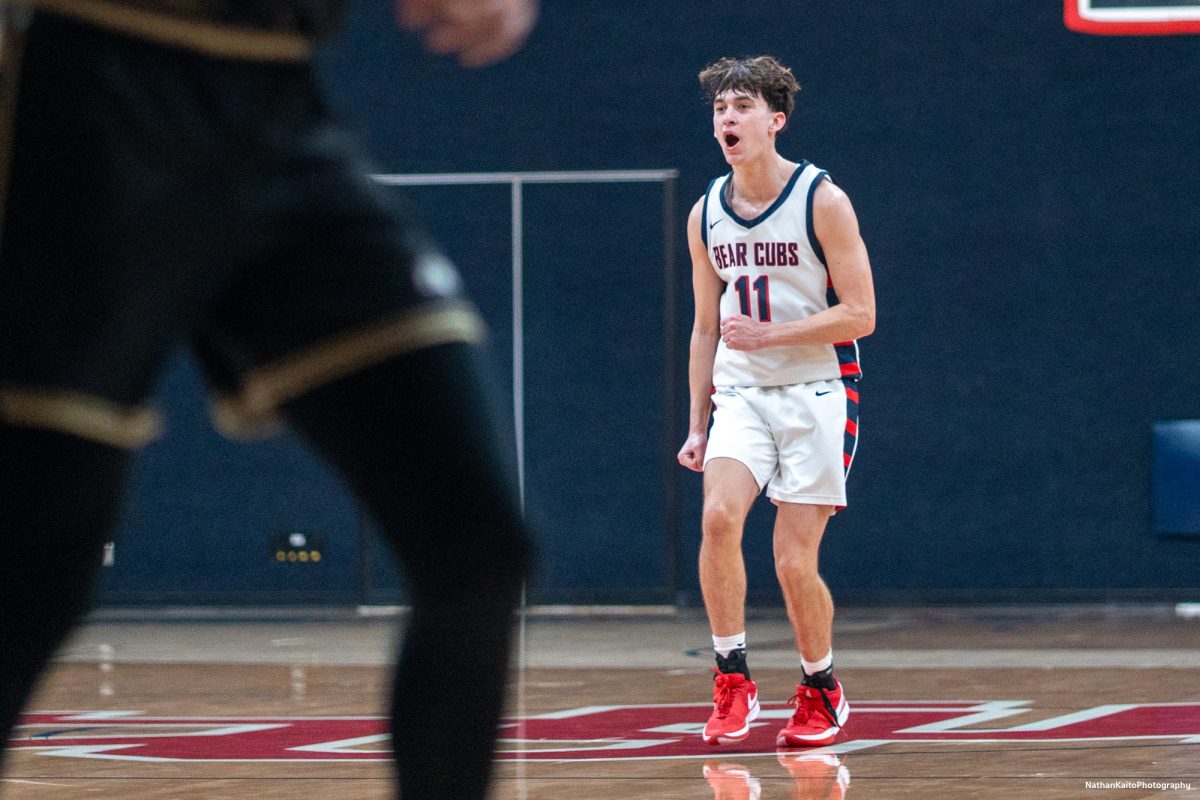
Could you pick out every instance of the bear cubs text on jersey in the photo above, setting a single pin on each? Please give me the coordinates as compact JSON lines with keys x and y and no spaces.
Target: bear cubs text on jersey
{"x":766,"y":254}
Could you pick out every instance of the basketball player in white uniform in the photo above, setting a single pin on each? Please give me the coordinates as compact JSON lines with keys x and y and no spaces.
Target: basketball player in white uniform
{"x":783,"y":290}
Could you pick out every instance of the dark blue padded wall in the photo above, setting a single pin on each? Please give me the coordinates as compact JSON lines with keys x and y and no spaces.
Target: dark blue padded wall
{"x":594,"y":390}
{"x":1027,"y":197}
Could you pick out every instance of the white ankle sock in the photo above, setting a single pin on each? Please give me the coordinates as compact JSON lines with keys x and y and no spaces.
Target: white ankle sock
{"x":813,"y":667}
{"x":724,"y":645}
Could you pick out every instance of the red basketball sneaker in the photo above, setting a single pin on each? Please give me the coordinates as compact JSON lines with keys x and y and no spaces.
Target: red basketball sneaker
{"x":731,"y":782}
{"x":820,"y":714}
{"x":818,"y":776}
{"x":735,"y":706}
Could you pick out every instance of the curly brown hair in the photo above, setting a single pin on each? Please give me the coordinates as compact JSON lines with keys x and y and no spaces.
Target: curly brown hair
{"x":757,"y":75}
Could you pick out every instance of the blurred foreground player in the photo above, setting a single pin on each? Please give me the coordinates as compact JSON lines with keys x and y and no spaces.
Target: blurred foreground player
{"x":783,"y":290}
{"x":170,"y":176}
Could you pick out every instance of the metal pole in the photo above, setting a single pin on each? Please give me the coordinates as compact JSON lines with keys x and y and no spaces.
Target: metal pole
{"x":671,"y":501}
{"x":482,"y":178}
{"x":518,"y":333}
{"x":518,"y":374}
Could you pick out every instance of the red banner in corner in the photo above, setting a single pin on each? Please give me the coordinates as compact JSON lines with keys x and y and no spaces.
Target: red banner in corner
{"x":1132,"y":18}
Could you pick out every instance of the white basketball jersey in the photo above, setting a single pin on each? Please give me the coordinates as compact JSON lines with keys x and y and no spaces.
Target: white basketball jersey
{"x":774,"y":271}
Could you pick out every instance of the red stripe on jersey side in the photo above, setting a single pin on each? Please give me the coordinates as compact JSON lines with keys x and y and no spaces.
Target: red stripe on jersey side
{"x":851,"y":394}
{"x":846,"y":458}
{"x":852,"y":427}
{"x":850,"y":369}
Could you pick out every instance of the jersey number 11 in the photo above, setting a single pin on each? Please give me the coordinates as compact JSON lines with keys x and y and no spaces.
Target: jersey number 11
{"x":742,"y":286}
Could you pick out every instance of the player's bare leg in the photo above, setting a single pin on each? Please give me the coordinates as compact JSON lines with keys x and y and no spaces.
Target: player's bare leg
{"x":821,"y":709}
{"x":729,"y":491}
{"x":798,"y":532}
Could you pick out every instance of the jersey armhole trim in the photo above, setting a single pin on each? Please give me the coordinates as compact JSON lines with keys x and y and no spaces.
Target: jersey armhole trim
{"x":704,"y":212}
{"x":808,"y":222}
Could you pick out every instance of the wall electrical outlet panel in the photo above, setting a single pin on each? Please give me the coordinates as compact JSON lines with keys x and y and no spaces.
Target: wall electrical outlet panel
{"x":297,"y":547}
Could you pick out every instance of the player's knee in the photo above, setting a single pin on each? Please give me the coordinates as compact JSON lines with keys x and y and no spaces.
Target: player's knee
{"x":797,"y":566}
{"x":722,"y":521}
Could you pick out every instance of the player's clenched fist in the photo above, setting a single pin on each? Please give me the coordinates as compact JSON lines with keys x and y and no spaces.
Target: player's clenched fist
{"x":743,"y":333}
{"x":691,"y":455}
{"x":478,"y":32}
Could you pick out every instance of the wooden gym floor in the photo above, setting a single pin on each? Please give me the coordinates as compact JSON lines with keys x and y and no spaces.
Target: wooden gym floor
{"x":1050,"y":702}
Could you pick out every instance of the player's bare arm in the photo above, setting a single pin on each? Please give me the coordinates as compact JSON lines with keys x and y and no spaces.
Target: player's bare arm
{"x":836,"y":227}
{"x":706,"y":288}
{"x":478,"y":32}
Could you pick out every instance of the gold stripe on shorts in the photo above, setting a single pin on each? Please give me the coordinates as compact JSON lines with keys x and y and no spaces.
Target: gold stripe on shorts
{"x":82,"y":415}
{"x":267,"y":388}
{"x":199,"y":35}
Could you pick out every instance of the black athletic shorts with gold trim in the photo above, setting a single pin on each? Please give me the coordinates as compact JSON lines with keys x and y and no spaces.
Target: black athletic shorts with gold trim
{"x":156,"y":195}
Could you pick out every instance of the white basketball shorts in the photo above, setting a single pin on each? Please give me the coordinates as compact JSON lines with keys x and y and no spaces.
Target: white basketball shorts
{"x":798,"y":441}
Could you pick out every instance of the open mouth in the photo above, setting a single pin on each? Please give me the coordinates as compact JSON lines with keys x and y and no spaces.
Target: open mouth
{"x":731,"y":139}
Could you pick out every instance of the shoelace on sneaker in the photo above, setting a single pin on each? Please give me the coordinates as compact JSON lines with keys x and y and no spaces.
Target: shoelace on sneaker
{"x":806,"y":705}
{"x":727,"y":686}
